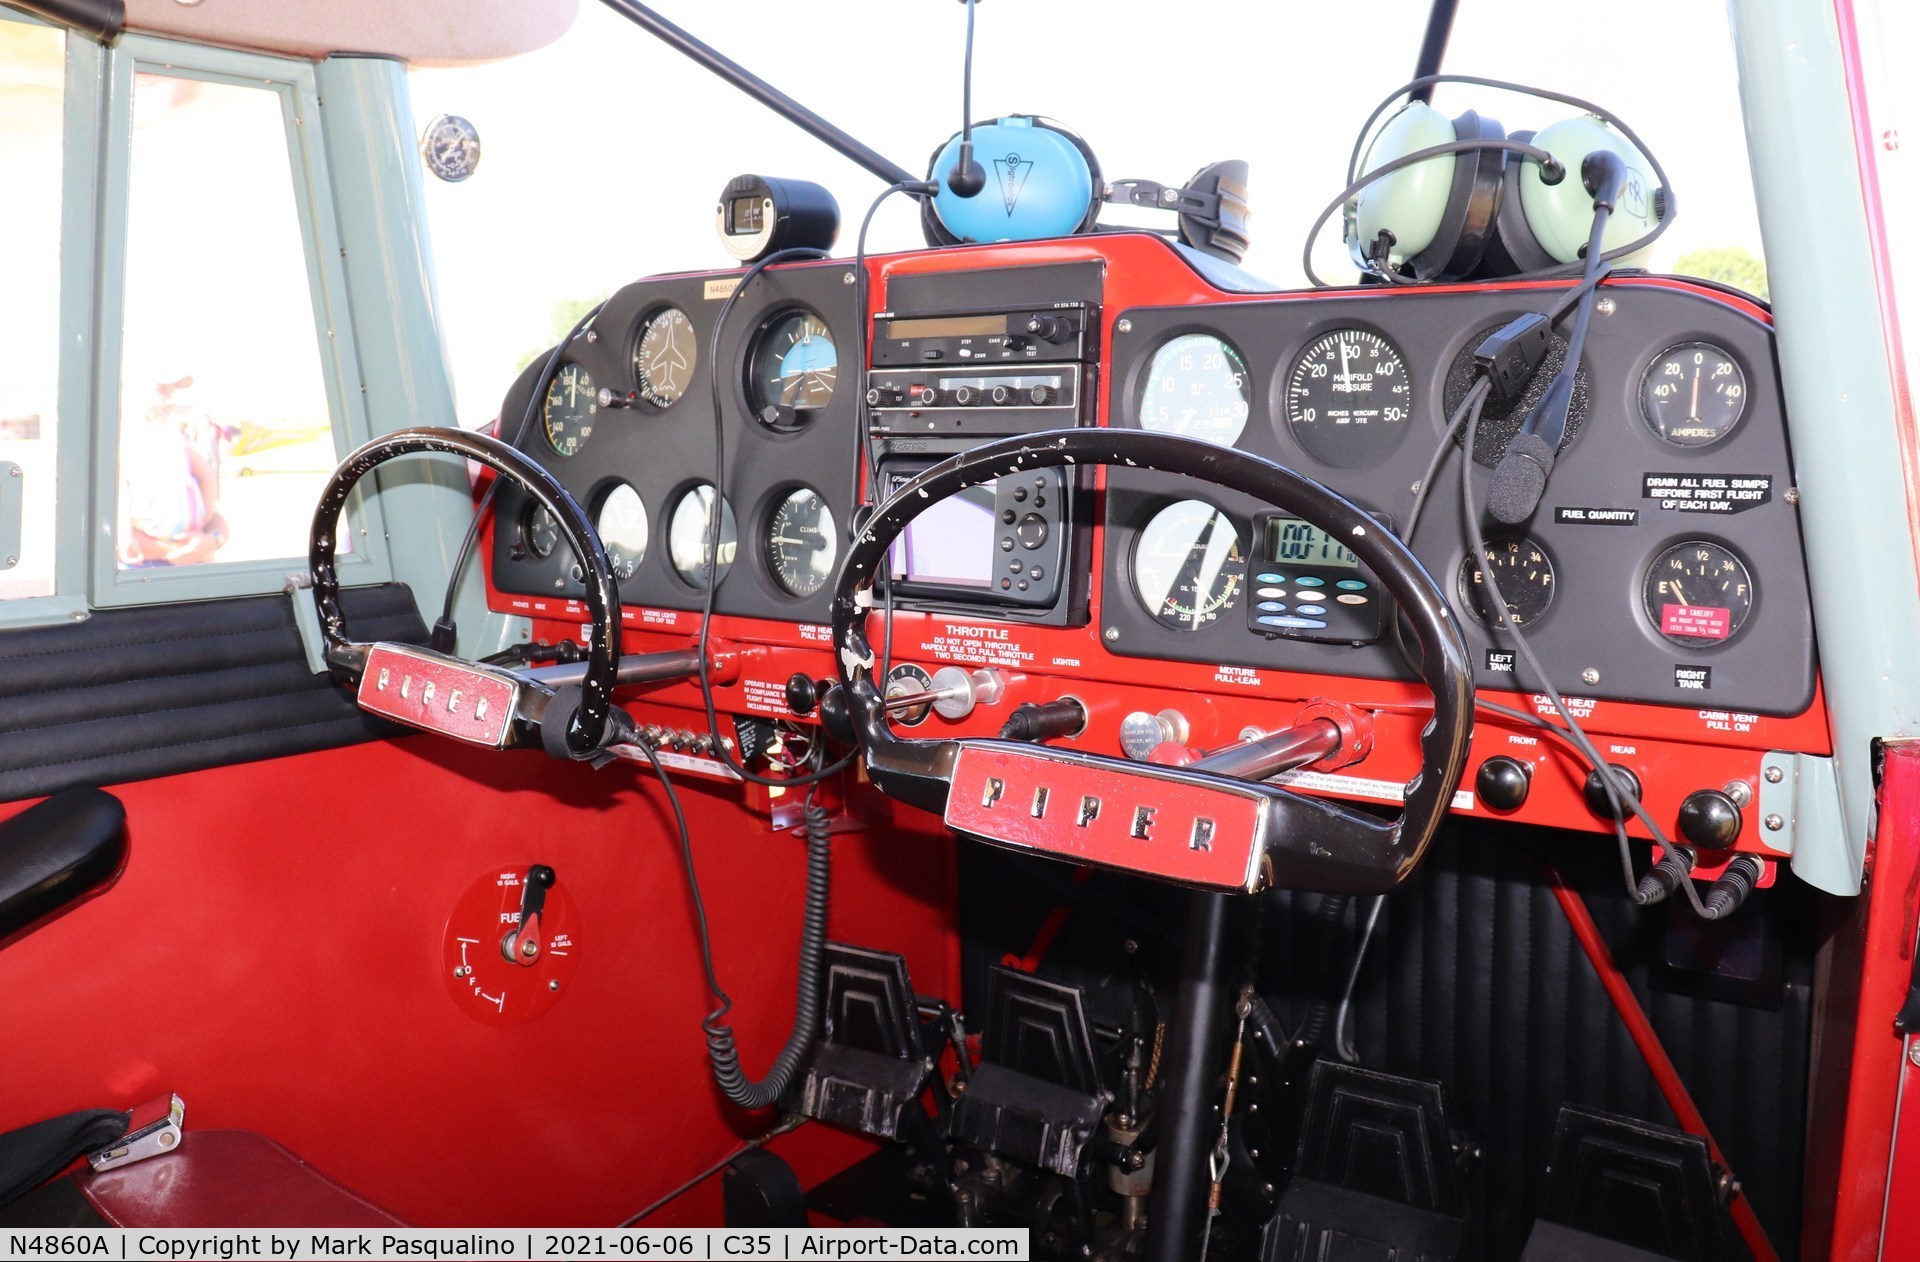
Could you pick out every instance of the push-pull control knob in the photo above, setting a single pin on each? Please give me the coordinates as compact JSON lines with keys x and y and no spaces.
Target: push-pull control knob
{"x":1595,"y":791}
{"x":1709,"y":819}
{"x":957,"y":690}
{"x":523,"y":943}
{"x":1141,"y":733}
{"x":1048,"y":328}
{"x":804,"y":692}
{"x":1502,"y":783}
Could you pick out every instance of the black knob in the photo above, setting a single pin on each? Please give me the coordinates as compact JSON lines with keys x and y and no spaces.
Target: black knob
{"x":885,"y":396}
{"x":835,"y":715}
{"x":1005,"y":396}
{"x":1709,"y":819}
{"x":965,"y":396}
{"x":1502,"y":783}
{"x":803,"y":693}
{"x":1045,"y":721}
{"x":923,"y":396}
{"x":1596,"y":791}
{"x":1047,"y":328}
{"x":1040,"y":396}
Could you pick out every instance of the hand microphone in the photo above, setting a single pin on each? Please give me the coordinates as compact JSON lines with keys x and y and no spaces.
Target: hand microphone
{"x":1520,"y":480}
{"x":967,"y":177}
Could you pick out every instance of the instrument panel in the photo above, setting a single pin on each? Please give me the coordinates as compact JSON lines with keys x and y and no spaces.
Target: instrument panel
{"x":1661,"y":582}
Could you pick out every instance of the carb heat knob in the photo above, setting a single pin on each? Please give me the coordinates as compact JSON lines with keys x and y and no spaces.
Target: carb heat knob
{"x":1502,"y":783}
{"x":1595,"y":791}
{"x":1709,"y":819}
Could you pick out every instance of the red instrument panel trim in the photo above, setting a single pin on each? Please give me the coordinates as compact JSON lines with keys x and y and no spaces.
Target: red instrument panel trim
{"x":1136,"y":818}
{"x":438,"y":694}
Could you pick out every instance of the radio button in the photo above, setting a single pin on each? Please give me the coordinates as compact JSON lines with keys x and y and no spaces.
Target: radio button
{"x":1271,"y":577}
{"x":1292,"y":623}
{"x":1308,"y":580}
{"x":1348,"y":598}
{"x":1351,"y":585}
{"x":1310,"y":609}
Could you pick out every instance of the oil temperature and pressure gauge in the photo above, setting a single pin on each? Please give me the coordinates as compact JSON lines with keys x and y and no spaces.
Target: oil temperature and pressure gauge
{"x":1188,"y":565}
{"x":569,"y":410}
{"x":1348,"y":398}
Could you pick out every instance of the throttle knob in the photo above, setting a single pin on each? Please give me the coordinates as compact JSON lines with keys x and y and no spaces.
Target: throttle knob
{"x":1595,"y":791}
{"x":1502,"y":783}
{"x":1709,"y":819}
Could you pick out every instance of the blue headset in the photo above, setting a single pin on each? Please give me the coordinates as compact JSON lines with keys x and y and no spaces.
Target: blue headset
{"x":1042,"y":180}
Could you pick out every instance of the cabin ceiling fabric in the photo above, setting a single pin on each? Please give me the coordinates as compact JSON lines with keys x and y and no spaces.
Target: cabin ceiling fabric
{"x":425,"y":32}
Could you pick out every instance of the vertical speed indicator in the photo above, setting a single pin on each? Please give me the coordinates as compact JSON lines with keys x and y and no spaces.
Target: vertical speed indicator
{"x":1348,"y":399}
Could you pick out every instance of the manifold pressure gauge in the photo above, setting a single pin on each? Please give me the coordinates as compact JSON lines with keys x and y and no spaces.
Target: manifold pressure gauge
{"x":758,"y":215}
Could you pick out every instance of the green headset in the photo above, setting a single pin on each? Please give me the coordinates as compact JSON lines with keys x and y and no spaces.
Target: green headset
{"x":1433,"y":198}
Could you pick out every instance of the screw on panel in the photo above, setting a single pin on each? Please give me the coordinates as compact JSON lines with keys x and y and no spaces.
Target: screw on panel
{"x":1793,"y":495}
{"x":1589,"y":676}
{"x":1604,"y":306}
{"x":14,"y":472}
{"x":846,"y":278}
{"x":1775,"y":775}
{"x":1113,"y":633}
{"x":593,"y":336}
{"x":1125,"y":326}
{"x":1913,"y":1051}
{"x":554,"y":984}
{"x":1774,"y":823}
{"x":12,"y":561}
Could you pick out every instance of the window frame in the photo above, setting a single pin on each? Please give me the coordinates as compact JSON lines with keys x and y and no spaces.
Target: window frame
{"x":294,"y":84}
{"x":96,"y":148}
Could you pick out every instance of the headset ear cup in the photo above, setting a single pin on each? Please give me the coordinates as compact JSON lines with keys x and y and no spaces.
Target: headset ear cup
{"x":1093,"y":169}
{"x":931,"y":228}
{"x":1472,"y":204}
{"x":1513,"y":248}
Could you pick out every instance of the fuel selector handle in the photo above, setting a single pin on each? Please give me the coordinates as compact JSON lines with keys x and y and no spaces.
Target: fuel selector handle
{"x":522,"y":943}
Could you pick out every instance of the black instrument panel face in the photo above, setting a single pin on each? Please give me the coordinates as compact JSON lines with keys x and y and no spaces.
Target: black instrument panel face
{"x":644,"y":471}
{"x":1664,"y":564}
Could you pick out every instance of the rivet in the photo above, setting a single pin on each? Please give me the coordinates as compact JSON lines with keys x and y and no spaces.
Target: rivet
{"x":1774,"y":823}
{"x":1589,"y":676}
{"x":1124,"y":326}
{"x":1775,"y":775}
{"x":554,"y":984}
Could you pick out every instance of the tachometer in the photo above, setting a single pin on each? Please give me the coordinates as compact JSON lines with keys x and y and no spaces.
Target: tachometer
{"x":1698,"y":593}
{"x":663,"y":361}
{"x":801,"y":543}
{"x":1693,"y":395}
{"x":1187,"y":565}
{"x":622,"y":524}
{"x":790,"y":375}
{"x":688,"y":536}
{"x":1197,"y":386}
{"x":1348,"y":399}
{"x":1524,"y":573}
{"x":570,"y":409}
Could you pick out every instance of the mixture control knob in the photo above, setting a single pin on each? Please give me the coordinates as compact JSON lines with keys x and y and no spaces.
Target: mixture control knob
{"x":1595,"y":791}
{"x":1141,"y":733}
{"x":1040,"y":396}
{"x":1709,"y":819}
{"x":966,"y":396}
{"x":885,"y":395}
{"x":1502,"y":783}
{"x":1048,"y":328}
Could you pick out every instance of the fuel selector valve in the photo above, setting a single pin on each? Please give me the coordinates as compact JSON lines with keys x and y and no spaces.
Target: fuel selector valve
{"x":522,"y":943}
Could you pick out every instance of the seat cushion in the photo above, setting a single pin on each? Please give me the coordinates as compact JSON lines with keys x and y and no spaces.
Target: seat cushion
{"x":227,"y":1179}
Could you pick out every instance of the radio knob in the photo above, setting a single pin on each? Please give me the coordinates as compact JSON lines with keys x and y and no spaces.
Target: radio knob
{"x":1005,"y":396}
{"x":965,"y":396}
{"x":1048,"y":328}
{"x":923,"y":396}
{"x":885,"y":396}
{"x":1040,"y":396}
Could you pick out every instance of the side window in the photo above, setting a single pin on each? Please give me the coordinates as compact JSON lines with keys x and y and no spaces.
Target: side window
{"x":32,"y":73}
{"x":225,"y":433}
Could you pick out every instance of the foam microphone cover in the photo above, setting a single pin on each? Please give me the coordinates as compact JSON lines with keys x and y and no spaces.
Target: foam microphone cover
{"x":1521,"y":479}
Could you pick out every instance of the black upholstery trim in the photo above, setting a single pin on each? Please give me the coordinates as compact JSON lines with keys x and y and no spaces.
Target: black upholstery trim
{"x":163,"y":689}
{"x":56,"y":852}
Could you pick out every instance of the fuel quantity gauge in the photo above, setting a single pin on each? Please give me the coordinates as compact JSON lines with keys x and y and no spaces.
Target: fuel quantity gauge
{"x":1698,"y":594}
{"x":1522,"y":571}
